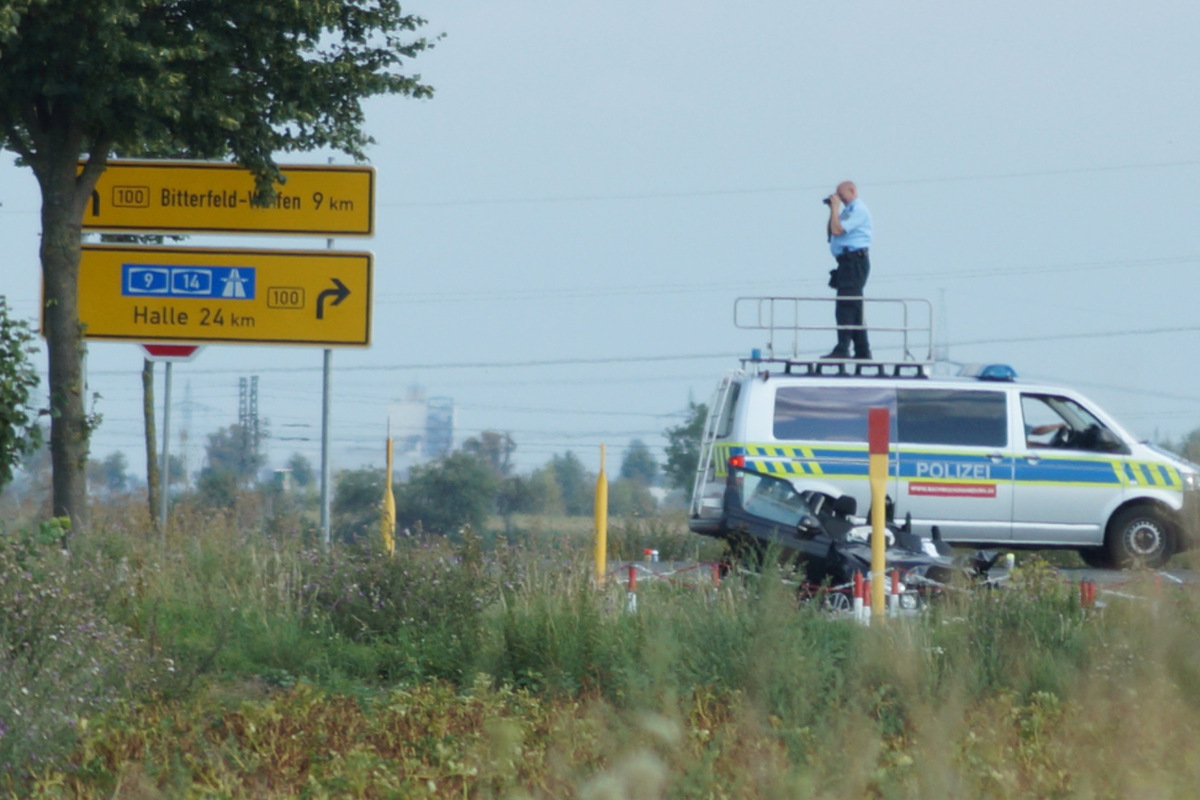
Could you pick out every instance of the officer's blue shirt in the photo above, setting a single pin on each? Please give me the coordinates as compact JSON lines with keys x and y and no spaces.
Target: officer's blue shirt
{"x":856,"y":222}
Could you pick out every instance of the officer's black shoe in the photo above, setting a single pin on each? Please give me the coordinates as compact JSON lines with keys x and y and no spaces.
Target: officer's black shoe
{"x":837,"y":354}
{"x":863,"y":356}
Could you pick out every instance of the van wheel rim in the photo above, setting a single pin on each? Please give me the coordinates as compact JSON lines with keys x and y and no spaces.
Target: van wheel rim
{"x":1144,"y":539}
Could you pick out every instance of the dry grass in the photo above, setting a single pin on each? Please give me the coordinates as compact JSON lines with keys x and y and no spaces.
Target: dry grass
{"x":730,"y":693}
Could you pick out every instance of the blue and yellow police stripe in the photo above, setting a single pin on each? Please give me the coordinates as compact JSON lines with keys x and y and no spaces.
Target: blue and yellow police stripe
{"x":831,"y":461}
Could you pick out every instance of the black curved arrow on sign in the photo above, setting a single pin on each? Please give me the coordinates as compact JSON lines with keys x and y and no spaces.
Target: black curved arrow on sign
{"x":338,"y":293}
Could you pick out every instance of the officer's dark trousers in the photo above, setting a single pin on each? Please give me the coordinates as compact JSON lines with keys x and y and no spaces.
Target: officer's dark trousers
{"x":852,"y":271}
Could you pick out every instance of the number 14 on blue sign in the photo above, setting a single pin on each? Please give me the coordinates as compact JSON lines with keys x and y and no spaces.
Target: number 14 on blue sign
{"x":157,"y":280}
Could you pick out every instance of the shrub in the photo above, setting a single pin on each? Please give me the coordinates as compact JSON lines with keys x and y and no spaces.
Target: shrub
{"x":418,"y":611}
{"x":60,"y":659}
{"x":1032,"y":636}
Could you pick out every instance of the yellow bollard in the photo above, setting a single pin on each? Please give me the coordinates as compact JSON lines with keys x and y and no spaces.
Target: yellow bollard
{"x":878,"y":430}
{"x":601,"y":522}
{"x":387,"y":521}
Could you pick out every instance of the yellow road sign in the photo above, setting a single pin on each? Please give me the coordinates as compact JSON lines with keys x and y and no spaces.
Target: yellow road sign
{"x":242,"y":296}
{"x":215,"y":197}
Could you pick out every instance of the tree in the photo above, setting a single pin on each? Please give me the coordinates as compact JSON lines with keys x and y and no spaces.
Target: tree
{"x":231,"y":451}
{"x":31,"y":483}
{"x":1188,"y":446}
{"x":578,"y":487}
{"x":639,"y":465}
{"x":536,"y":494}
{"x":630,"y":498}
{"x":683,"y":447}
{"x":211,"y":80}
{"x":494,"y":449}
{"x":175,"y":469}
{"x":302,"y":470}
{"x":444,"y":496}
{"x":356,"y":502}
{"x":111,"y":474}
{"x":20,"y":434}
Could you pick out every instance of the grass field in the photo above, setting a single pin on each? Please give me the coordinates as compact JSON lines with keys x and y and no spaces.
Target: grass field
{"x":225,"y":661}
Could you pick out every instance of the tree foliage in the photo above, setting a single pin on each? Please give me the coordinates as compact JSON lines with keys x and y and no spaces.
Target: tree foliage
{"x":209,"y":79}
{"x":536,"y":493}
{"x":577,"y":485}
{"x":303,"y":473}
{"x":639,"y":465}
{"x":445,"y":496}
{"x":1188,"y":446}
{"x":494,"y":449}
{"x":19,"y":431}
{"x":683,"y":447}
{"x":233,"y":451}
{"x":357,"y":499}
{"x":630,"y":498}
{"x":111,"y":475}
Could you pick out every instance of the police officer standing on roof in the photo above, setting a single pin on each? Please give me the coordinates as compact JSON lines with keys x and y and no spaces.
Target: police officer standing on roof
{"x":849,"y":233}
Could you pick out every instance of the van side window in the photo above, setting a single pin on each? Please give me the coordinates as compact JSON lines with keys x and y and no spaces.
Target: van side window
{"x":952,"y":416}
{"x":1060,"y":422}
{"x":829,"y":413}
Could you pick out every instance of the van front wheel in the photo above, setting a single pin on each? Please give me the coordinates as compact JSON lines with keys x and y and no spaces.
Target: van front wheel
{"x":1140,"y":536}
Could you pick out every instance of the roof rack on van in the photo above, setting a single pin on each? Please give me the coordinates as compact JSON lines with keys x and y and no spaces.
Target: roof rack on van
{"x":894,"y":323}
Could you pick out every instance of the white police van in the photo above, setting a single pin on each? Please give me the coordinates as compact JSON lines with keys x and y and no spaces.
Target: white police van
{"x":990,"y":460}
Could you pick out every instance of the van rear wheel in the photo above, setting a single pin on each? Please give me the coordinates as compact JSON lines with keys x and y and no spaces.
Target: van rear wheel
{"x":1140,"y":536}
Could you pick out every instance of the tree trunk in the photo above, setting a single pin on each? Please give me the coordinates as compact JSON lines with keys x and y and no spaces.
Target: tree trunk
{"x":63,"y":198}
{"x":152,"y":480}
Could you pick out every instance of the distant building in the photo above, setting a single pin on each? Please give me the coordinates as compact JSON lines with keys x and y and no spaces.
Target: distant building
{"x":439,"y":427}
{"x":422,"y":427}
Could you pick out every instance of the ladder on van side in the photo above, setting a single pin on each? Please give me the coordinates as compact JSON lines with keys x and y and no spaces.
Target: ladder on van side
{"x":706,"y":465}
{"x":901,"y":323}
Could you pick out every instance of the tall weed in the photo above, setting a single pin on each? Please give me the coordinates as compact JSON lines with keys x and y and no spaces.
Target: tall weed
{"x":418,"y":613}
{"x":61,"y":660}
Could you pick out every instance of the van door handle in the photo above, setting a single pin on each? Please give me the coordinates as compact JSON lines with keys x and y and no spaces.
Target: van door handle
{"x":1033,"y":458}
{"x":996,"y":458}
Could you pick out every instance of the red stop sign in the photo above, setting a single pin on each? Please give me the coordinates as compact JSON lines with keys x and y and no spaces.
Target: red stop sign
{"x":171,"y":352}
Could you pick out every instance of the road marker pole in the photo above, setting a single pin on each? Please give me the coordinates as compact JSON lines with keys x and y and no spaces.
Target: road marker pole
{"x":858,"y":605}
{"x":894,"y":596}
{"x":632,"y":592}
{"x":878,"y":428}
{"x":601,"y":520}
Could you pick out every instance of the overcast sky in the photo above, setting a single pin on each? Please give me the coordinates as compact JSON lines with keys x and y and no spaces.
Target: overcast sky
{"x":563,"y":229}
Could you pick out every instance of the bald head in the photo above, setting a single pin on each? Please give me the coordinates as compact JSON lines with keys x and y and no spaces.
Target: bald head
{"x":847,"y":191}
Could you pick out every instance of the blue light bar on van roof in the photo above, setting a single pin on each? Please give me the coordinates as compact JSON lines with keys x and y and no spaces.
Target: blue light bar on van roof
{"x":995,"y":372}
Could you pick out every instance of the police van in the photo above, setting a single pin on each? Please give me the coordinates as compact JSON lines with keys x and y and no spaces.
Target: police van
{"x":989,"y":459}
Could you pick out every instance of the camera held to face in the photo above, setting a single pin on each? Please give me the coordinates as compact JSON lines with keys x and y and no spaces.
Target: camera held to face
{"x":827,"y":200}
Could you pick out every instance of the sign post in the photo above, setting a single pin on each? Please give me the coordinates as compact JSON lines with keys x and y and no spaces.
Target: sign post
{"x":164,"y":469}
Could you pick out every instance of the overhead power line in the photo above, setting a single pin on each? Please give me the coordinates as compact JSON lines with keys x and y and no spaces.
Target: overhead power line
{"x":597,"y":361}
{"x":1088,"y":335}
{"x":700,"y":193}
